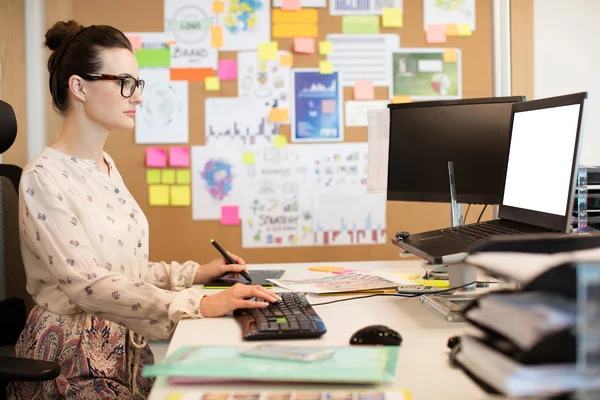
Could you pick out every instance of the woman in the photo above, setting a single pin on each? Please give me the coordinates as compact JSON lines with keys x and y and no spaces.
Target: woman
{"x":84,"y":239}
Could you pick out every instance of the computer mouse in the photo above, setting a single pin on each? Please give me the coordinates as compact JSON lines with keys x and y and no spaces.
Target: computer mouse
{"x":376,"y":335}
{"x":402,"y":235}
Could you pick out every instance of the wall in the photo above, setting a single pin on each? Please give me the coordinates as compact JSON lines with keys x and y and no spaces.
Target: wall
{"x":566,"y":59}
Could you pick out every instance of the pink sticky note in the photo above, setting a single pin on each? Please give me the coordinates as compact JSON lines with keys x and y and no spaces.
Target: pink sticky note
{"x":290,"y":5}
{"x":328,"y":106}
{"x":436,"y":33}
{"x":364,"y":90}
{"x":347,"y":271}
{"x":136,"y":41}
{"x":304,"y":45}
{"x":179,"y":156}
{"x":227,"y":70}
{"x":230,"y":215}
{"x":156,"y":157}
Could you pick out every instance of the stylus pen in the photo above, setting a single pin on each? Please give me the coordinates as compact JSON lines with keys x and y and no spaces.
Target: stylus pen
{"x":228,"y":258}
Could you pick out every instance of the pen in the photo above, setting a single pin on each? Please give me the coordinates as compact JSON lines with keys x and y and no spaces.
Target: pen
{"x":228,"y":259}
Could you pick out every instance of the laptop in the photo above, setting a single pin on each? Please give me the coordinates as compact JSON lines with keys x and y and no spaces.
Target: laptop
{"x":539,"y":185}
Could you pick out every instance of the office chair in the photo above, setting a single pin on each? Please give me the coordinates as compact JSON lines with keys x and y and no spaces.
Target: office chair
{"x":15,"y":302}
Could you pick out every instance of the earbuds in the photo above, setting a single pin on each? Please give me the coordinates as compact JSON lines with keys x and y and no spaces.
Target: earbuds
{"x":402,"y":235}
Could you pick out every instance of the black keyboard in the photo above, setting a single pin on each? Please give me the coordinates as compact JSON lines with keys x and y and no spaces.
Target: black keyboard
{"x":479,"y":232}
{"x":290,"y":318}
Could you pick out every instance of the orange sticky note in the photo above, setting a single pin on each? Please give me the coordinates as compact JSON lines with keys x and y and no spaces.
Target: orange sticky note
{"x":326,"y":268}
{"x":218,"y":7}
{"x":216,"y":36}
{"x":450,"y":56}
{"x":304,"y":45}
{"x":364,"y":90}
{"x":279,"y":115}
{"x":464,"y":30}
{"x":325,"y":67}
{"x":436,"y":33}
{"x":451,"y":30}
{"x":290,"y":5}
{"x":401,"y":99}
{"x":286,"y":60}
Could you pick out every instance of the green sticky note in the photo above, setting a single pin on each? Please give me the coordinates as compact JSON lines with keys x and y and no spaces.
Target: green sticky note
{"x":152,"y":176}
{"x":168,"y":176}
{"x":248,"y":158}
{"x":153,"y":57}
{"x":184,"y":177}
{"x":158,"y":195}
{"x":360,"y":24}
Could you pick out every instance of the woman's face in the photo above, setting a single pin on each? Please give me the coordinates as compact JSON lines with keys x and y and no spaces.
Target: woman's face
{"x":104,"y":103}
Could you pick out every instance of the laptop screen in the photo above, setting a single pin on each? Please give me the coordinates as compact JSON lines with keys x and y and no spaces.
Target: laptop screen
{"x":542,"y":159}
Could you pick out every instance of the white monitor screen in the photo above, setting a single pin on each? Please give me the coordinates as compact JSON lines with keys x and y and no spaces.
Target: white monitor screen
{"x":540,"y":161}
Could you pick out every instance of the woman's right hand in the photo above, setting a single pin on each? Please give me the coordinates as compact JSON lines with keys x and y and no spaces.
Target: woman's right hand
{"x":237,"y":296}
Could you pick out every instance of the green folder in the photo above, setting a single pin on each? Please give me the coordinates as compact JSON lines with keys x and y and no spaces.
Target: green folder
{"x":350,"y":364}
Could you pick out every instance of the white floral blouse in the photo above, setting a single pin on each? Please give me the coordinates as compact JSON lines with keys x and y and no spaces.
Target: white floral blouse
{"x":84,"y":241}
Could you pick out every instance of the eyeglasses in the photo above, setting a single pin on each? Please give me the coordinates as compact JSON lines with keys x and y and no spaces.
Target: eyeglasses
{"x":128,"y":83}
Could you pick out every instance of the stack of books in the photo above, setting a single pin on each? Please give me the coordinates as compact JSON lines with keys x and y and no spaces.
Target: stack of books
{"x":528,"y":340}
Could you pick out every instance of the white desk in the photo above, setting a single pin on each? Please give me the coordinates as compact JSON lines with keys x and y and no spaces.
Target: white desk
{"x":423,"y":366}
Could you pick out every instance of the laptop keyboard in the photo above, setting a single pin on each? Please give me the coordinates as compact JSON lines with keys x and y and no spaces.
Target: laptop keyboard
{"x":479,"y":232}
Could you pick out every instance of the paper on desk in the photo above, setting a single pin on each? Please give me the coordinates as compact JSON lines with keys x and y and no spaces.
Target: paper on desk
{"x":349,"y":282}
{"x":379,"y":141}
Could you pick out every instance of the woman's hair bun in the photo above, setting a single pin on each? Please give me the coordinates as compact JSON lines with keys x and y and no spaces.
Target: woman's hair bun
{"x":61,"y":31}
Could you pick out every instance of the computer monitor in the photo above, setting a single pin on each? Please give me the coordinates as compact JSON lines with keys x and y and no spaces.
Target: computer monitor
{"x":472,"y":133}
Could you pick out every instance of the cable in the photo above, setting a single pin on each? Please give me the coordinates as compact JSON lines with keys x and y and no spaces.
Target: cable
{"x":466,"y":213}
{"x":482,"y":211}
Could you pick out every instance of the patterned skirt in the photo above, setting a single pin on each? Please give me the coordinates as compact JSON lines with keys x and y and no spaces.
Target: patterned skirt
{"x":96,"y":358}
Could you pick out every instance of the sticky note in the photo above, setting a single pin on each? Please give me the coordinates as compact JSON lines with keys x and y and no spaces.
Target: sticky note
{"x":463,"y":30}
{"x":168,"y":176}
{"x":230,"y":215}
{"x":158,"y":195}
{"x":292,"y":30}
{"x":364,"y":90}
{"x":432,"y":282}
{"x":152,"y":176}
{"x":227,"y":70}
{"x":190,"y":74}
{"x":156,"y":157}
{"x":328,"y":106}
{"x":153,"y":57}
{"x":248,"y":158}
{"x":180,"y":195}
{"x":286,"y":60}
{"x":179,"y":156}
{"x":136,"y":41}
{"x":183,"y":177}
{"x":451,"y":30}
{"x":279,"y":115}
{"x":326,"y":268}
{"x":218,"y":7}
{"x":436,"y":33}
{"x":216,"y":36}
{"x":450,"y":56}
{"x":212,"y":84}
{"x":291,"y":5}
{"x":391,"y":18}
{"x":407,"y":275}
{"x":401,"y":99}
{"x":325,"y":67}
{"x":267,"y":51}
{"x":175,"y":396}
{"x":360,"y":24}
{"x":304,"y":45}
{"x":325,"y":48}
{"x":304,"y":16}
{"x":279,"y":141}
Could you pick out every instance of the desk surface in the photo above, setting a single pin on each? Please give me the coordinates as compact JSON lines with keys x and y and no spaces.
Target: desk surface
{"x":423,"y":366}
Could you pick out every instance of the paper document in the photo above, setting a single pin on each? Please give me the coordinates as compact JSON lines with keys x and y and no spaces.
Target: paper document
{"x":379,"y":143}
{"x":356,"y":111}
{"x":336,"y":283}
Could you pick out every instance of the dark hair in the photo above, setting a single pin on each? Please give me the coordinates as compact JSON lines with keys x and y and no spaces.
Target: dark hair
{"x":76,"y":51}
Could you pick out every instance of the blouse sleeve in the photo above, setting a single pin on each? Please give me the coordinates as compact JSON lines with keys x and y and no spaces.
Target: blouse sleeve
{"x":172,"y":276}
{"x":68,"y":254}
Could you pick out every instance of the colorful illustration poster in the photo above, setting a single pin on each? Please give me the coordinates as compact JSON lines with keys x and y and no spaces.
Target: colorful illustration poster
{"x":427,"y":74}
{"x":443,"y":12}
{"x":317,"y":109}
{"x":246,"y":24}
{"x":265,"y":82}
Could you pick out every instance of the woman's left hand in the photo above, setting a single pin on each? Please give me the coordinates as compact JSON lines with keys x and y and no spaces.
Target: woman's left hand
{"x":219,"y":267}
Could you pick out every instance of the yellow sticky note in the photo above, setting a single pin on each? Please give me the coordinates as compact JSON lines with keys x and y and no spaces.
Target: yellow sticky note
{"x":464,"y":30}
{"x":401,"y":99}
{"x":267,"y":51}
{"x":168,"y":176}
{"x":451,"y":30}
{"x":218,"y":7}
{"x":216,"y":36}
{"x":212,"y":84}
{"x":392,"y":18}
{"x":325,"y":268}
{"x":184,"y":177}
{"x":325,"y":67}
{"x":279,"y":141}
{"x":180,"y":195}
{"x":158,"y":195}
{"x":279,"y":115}
{"x":248,"y":158}
{"x":450,"y":56}
{"x":175,"y":396}
{"x":286,"y":60}
{"x":152,"y":176}
{"x":432,"y":282}
{"x":325,"y":48}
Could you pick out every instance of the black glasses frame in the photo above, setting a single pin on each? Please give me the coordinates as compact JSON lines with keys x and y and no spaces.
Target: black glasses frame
{"x":139,"y":83}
